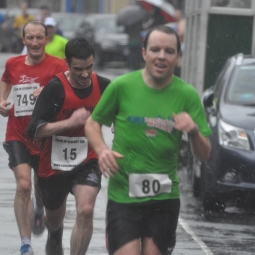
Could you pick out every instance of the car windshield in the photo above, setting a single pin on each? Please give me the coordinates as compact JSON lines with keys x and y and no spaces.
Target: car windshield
{"x":68,"y":23}
{"x":241,"y":89}
{"x":107,"y":25}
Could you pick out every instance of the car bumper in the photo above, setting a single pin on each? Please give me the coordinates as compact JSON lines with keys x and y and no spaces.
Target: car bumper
{"x":231,"y":170}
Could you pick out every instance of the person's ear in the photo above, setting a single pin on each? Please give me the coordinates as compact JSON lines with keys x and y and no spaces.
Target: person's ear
{"x":144,"y":53}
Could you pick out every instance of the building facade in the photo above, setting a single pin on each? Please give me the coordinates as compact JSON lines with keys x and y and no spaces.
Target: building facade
{"x":215,"y":30}
{"x":79,"y":6}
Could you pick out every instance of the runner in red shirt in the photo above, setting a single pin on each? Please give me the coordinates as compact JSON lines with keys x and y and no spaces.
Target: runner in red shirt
{"x":67,"y":162}
{"x":26,"y":76}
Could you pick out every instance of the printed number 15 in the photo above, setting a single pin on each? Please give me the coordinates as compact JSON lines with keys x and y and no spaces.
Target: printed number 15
{"x":73,"y":153}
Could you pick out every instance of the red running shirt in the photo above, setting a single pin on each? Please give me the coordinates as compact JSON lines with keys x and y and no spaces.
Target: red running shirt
{"x":18,"y":73}
{"x":71,"y":103}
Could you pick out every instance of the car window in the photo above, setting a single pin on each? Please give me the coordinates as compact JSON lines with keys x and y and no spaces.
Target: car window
{"x":221,"y":80}
{"x":107,"y":25}
{"x":241,"y":89}
{"x":69,"y":23}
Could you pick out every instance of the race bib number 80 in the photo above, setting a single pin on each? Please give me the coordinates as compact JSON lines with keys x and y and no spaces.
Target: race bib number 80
{"x":145,"y":185}
{"x":24,"y":101}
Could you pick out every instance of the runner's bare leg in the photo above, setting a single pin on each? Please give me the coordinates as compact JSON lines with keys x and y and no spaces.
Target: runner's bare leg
{"x":85,"y":197}
{"x":54,"y":223}
{"x":23,"y":206}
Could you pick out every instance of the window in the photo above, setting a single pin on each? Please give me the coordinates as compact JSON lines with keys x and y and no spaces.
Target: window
{"x":232,"y":3}
{"x":241,"y":89}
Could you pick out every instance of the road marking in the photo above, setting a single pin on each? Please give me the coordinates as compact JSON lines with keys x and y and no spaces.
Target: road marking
{"x":203,"y":246}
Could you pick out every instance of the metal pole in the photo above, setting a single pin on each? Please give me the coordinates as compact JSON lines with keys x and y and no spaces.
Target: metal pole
{"x":79,"y":6}
{"x":68,"y":5}
{"x":253,"y":28}
{"x":101,"y":6}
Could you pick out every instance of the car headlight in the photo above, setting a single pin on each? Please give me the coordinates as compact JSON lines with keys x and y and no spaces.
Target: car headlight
{"x":233,"y":136}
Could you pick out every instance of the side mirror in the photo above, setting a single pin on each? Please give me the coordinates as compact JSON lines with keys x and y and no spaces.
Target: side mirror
{"x":207,"y":101}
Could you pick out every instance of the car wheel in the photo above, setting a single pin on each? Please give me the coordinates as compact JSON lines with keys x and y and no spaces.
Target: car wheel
{"x":211,"y":201}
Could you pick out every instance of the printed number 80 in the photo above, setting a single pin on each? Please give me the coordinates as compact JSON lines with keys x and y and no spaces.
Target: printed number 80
{"x":147,"y":186}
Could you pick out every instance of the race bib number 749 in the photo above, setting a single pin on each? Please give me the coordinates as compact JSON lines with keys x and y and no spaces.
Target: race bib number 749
{"x":24,"y":100}
{"x":144,"y":185}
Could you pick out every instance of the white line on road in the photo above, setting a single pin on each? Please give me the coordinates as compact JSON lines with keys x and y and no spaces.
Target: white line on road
{"x":186,"y":227}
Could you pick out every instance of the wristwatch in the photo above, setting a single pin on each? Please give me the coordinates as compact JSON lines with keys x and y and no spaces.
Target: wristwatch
{"x":194,"y":132}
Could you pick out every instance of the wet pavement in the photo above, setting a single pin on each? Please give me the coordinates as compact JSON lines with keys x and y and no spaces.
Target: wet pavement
{"x":231,"y":233}
{"x":9,"y":236}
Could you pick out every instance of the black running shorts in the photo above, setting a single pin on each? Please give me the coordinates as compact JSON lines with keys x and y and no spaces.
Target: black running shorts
{"x":19,"y":154}
{"x":56,"y":188}
{"x":153,"y":219}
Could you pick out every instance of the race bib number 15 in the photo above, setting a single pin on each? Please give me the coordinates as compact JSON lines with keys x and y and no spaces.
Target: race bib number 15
{"x":23,"y":99}
{"x":145,"y":185}
{"x":68,"y":152}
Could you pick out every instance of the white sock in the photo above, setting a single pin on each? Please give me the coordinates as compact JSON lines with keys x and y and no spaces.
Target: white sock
{"x":25,"y":240}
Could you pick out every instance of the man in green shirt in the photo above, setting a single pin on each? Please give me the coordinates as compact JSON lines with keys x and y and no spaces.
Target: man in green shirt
{"x":57,"y":43}
{"x":150,"y":109}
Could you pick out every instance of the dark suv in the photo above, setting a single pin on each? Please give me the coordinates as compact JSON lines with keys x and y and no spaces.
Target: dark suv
{"x":229,"y":174}
{"x":109,"y":40}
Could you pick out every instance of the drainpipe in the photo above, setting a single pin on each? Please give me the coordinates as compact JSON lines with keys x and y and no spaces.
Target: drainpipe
{"x":68,"y":5}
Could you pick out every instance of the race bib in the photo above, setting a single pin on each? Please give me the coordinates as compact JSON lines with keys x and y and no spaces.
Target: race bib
{"x":145,"y":185}
{"x":68,"y":152}
{"x":23,"y":98}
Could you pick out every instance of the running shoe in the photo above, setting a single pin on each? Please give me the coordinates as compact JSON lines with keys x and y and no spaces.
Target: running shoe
{"x":26,"y":250}
{"x":38,"y":223}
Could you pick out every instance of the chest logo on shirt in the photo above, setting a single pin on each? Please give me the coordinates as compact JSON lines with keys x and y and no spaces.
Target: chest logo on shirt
{"x":151,"y":132}
{"x":26,"y":79}
{"x":158,"y":123}
{"x":166,"y":125}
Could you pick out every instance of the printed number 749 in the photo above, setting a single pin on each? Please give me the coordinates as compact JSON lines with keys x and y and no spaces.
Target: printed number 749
{"x":24,"y":100}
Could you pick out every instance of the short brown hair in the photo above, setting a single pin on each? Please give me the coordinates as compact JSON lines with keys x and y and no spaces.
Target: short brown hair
{"x":34,"y":22}
{"x":164,"y":29}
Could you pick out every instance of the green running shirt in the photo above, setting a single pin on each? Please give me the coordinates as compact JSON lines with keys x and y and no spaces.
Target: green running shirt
{"x":144,"y":133}
{"x":57,"y":46}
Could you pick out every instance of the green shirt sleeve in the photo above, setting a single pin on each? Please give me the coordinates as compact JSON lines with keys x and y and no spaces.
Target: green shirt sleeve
{"x":107,"y":107}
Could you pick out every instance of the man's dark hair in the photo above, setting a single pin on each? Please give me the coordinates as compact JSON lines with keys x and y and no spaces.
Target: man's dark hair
{"x":34,"y":22}
{"x":164,"y":29}
{"x":79,"y":48}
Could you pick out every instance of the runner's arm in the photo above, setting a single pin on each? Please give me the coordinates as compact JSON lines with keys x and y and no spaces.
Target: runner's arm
{"x":106,"y":157}
{"x":93,"y":131}
{"x":47,"y":106}
{"x":5,"y":89}
{"x":43,"y":120}
{"x":200,"y":146}
{"x":77,"y":119}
